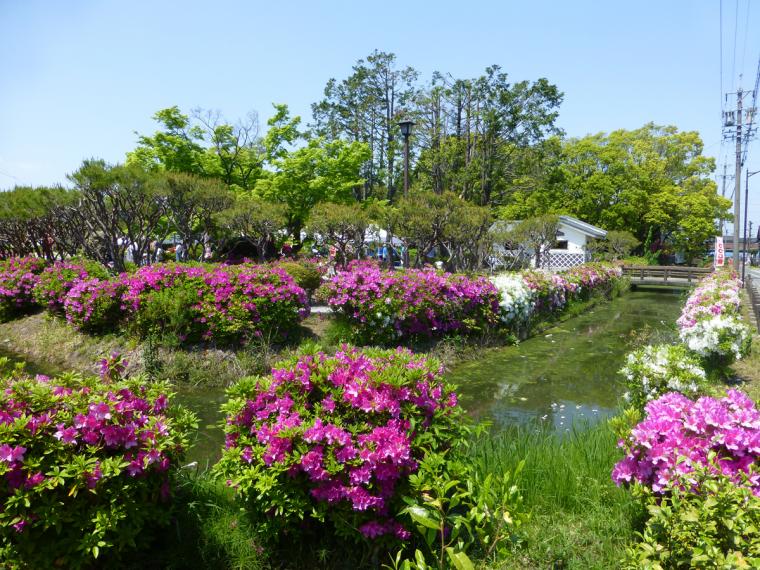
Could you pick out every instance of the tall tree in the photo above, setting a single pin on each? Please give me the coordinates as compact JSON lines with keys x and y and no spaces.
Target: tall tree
{"x":365,"y":107}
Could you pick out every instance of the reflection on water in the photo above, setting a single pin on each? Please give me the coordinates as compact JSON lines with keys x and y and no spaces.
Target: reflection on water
{"x":206,"y":448}
{"x":567,"y":373}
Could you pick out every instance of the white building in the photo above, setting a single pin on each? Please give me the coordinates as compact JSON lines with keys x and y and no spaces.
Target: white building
{"x":570,"y":248}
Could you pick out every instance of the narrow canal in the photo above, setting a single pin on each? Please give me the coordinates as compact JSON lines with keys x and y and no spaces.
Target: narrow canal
{"x":570,"y":372}
{"x":566,"y":374}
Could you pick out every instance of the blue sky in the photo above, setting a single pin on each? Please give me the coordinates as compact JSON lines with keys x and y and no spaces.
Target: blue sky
{"x":78,"y":78}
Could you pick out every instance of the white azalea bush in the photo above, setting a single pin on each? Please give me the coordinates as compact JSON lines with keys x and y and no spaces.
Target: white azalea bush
{"x":710,"y":324}
{"x":653,"y":371}
{"x":516,"y":299}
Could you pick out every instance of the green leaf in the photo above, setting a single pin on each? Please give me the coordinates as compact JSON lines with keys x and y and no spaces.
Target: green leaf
{"x":423,"y":517}
{"x":460,"y":560}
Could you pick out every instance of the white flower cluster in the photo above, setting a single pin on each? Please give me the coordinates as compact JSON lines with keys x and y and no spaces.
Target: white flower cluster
{"x":710,"y":324}
{"x":654,"y":370}
{"x":517,"y":299}
{"x":723,"y":335}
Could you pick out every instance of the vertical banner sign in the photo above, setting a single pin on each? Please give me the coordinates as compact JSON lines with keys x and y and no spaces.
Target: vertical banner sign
{"x":720,"y":252}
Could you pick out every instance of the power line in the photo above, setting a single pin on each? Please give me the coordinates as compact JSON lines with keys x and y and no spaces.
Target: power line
{"x":736,"y":30}
{"x":720,"y":33}
{"x":746,"y":33}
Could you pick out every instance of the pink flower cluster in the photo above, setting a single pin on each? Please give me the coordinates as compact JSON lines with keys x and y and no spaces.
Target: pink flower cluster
{"x":222,"y":303}
{"x":341,"y":429}
{"x":679,"y":434}
{"x":55,"y":282}
{"x":78,"y":451}
{"x":717,"y":294}
{"x":387,"y":305}
{"x":119,"y":423}
{"x":18,"y":277}
{"x":555,"y":291}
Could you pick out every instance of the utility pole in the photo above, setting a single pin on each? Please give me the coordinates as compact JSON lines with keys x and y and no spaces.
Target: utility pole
{"x":738,"y":179}
{"x":723,"y":193}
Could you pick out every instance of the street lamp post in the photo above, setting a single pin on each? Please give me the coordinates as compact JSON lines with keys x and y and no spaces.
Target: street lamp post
{"x":746,"y":209}
{"x":406,"y":125}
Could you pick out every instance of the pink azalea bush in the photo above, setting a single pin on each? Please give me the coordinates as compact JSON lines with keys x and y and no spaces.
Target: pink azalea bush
{"x":55,"y":282}
{"x":710,"y":323}
{"x":384,"y":306}
{"x":679,"y":435}
{"x":85,"y":464}
{"x":18,"y":277}
{"x":226,"y":304}
{"x":94,"y":305}
{"x":335,"y":438}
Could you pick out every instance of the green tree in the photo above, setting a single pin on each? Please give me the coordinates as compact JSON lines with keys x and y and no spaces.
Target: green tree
{"x":650,"y":179}
{"x":341,"y":225}
{"x":254,"y":220}
{"x":321,"y":171}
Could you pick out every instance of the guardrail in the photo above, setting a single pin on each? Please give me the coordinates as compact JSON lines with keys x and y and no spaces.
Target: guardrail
{"x":754,"y":298}
{"x":665,"y":273}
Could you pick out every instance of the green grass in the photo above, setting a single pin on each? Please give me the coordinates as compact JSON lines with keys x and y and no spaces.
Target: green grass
{"x":578,"y":517}
{"x":209,"y":530}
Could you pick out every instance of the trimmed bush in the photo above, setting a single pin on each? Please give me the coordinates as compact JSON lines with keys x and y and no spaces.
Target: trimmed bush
{"x":652,"y":371}
{"x":678,"y":435}
{"x":335,"y":438}
{"x":18,"y":277}
{"x":55,"y":281}
{"x":95,"y":305}
{"x":384,"y":306}
{"x":710,"y":323}
{"x":84,"y":465}
{"x":307,"y":273}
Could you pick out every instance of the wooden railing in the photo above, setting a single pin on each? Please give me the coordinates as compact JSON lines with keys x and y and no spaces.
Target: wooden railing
{"x":665,"y":273}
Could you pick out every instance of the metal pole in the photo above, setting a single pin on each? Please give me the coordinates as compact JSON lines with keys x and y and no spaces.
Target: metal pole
{"x":738,"y":181}
{"x":406,"y":164}
{"x":746,"y":204}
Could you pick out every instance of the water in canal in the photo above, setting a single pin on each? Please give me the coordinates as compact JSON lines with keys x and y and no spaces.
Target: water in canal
{"x":567,"y":373}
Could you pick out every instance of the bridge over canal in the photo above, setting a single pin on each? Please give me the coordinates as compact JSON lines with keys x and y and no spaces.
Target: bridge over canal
{"x":669,"y":276}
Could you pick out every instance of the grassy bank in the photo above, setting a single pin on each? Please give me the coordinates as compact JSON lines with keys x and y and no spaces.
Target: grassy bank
{"x":49,"y":344}
{"x":578,"y":517}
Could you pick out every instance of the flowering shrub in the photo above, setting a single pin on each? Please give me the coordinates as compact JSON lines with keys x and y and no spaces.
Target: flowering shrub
{"x":55,"y":281}
{"x":84,"y":465}
{"x":193,"y":302}
{"x":532,"y":292}
{"x":710,"y":324}
{"x":717,"y":528}
{"x":652,"y":371}
{"x":516,"y":298}
{"x":336,"y":437}
{"x":18,"y":277}
{"x":95,"y":304}
{"x":387,"y":305}
{"x":678,"y":435}
{"x":221,"y":303}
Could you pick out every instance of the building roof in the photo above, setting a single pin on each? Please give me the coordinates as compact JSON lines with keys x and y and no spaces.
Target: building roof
{"x":575,"y":223}
{"x":583,"y":227}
